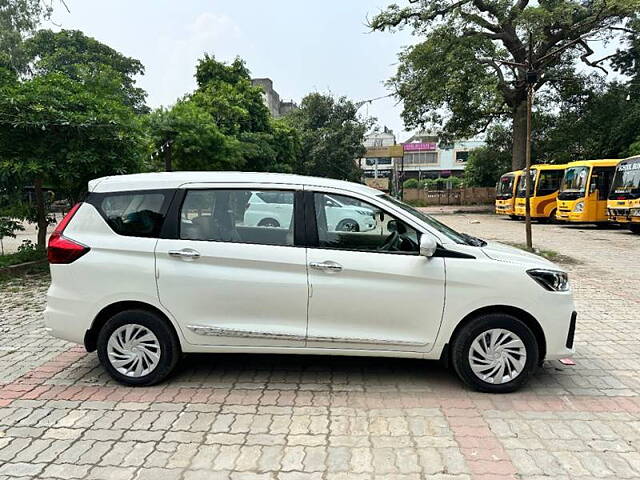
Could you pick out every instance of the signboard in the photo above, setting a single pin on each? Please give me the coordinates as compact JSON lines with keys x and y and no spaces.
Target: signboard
{"x":412,"y":147}
{"x":378,"y":183}
{"x":391,"y":151}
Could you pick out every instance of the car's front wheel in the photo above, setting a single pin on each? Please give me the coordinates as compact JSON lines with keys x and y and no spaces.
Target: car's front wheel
{"x":138,"y":348}
{"x":348,"y":225}
{"x":495,"y":353}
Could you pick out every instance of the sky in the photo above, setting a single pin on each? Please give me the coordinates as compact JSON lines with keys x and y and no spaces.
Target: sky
{"x":302,"y":46}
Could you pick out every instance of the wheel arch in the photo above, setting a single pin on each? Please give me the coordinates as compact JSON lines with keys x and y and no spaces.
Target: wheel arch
{"x":91,"y":335}
{"x":528,"y":319}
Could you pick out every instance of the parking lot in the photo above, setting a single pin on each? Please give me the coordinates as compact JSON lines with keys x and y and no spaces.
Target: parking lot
{"x":280,"y":417}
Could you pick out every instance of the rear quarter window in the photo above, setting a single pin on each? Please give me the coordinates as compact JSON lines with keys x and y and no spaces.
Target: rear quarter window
{"x":133,"y":214}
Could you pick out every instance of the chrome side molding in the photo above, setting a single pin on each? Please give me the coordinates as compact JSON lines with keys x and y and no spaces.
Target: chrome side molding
{"x":238,"y":333}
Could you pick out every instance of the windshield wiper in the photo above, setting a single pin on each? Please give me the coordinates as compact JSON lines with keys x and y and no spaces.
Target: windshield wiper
{"x":473,"y":241}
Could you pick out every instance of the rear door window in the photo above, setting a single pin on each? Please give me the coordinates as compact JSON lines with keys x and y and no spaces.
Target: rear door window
{"x":241,"y":216}
{"x":134,"y":214}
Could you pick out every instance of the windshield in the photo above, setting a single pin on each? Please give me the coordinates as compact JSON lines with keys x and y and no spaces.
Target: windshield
{"x":505,"y":185}
{"x":575,"y":180}
{"x":627,"y":179}
{"x":432,"y":222}
{"x":522,"y":184}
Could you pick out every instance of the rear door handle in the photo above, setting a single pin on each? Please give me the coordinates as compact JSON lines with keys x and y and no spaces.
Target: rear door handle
{"x":186,"y":253}
{"x":326,"y":266}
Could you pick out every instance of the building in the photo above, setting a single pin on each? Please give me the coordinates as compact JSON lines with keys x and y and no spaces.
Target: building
{"x":381,"y":157}
{"x":271,"y":98}
{"x":387,"y":163}
{"x":427,"y":157}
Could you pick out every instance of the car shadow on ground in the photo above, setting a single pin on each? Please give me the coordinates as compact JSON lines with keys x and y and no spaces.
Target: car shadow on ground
{"x":306,"y":372}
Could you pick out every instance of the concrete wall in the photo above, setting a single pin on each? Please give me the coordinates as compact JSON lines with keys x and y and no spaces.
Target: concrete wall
{"x":460,"y":196}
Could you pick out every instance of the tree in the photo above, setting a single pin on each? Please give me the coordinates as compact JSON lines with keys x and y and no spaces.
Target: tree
{"x":196,"y":142}
{"x":332,"y":136}
{"x":488,"y":163}
{"x":471,"y":64}
{"x":223,"y":125}
{"x":54,"y":132}
{"x":85,"y":59}
{"x":18,"y":19}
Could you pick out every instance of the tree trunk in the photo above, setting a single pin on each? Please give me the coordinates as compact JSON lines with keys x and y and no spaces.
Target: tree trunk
{"x":519,"y":151}
{"x":41,"y":214}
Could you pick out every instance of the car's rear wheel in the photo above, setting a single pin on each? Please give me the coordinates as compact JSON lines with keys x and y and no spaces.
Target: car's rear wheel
{"x":495,"y":353}
{"x":635,"y":228}
{"x":138,"y":348}
{"x":348,"y":225}
{"x":269,"y":222}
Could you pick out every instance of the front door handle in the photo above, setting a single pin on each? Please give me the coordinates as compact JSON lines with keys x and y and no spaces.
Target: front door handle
{"x":186,"y":253}
{"x":326,"y":266}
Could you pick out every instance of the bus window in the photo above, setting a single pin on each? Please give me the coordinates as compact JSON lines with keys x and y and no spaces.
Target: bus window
{"x":601,"y":179}
{"x":549,"y":181}
{"x":626,"y":183}
{"x":505,"y":187}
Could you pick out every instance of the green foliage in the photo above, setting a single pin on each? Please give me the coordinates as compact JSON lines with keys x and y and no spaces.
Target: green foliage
{"x":485,"y":166}
{"x":411,"y":183}
{"x":53,"y":127}
{"x":18,"y":19}
{"x":461,"y":77}
{"x":27,"y":252}
{"x":84,"y":59}
{"x":223,"y":125}
{"x":331,"y":135}
{"x":198,"y":143}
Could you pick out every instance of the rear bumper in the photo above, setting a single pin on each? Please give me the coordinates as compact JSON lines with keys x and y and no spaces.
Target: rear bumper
{"x":66,"y":317}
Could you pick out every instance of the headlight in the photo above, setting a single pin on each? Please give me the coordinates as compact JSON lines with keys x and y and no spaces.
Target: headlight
{"x":366,"y":213}
{"x":634,"y":212}
{"x":551,"y":280}
{"x":579,"y":208}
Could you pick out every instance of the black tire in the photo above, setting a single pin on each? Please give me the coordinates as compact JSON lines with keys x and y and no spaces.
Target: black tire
{"x":269,"y":222}
{"x":462,"y":344}
{"x":169,"y":346}
{"x":348,"y":225}
{"x":513,"y":217}
{"x":635,"y":228}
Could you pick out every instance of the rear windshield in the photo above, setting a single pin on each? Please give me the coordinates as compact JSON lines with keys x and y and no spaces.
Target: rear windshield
{"x":133,"y":214}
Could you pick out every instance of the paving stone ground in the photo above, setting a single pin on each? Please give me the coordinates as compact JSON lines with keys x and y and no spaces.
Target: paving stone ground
{"x":329,"y":418}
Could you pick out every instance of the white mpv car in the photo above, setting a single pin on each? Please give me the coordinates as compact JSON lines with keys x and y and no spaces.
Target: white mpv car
{"x":153,"y":265}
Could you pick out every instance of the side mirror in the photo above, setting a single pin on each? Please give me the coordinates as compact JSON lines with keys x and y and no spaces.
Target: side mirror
{"x":428,"y":245}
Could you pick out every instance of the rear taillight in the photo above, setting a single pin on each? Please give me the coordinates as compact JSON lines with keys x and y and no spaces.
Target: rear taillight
{"x":61,"y":249}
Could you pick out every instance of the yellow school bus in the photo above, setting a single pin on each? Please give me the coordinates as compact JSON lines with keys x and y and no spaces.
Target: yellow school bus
{"x":584,"y":191}
{"x":506,"y":193}
{"x":545,"y":182}
{"x":623,"y":205}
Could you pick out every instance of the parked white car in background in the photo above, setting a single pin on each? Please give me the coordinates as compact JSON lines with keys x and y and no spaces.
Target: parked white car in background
{"x":275,"y":209}
{"x":153,"y":265}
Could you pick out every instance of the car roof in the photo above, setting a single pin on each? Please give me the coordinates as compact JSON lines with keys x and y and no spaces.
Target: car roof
{"x":167,"y":180}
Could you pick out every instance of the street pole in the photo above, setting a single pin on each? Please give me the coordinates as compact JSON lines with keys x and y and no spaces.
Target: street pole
{"x":531,"y":77}
{"x":527,"y":170}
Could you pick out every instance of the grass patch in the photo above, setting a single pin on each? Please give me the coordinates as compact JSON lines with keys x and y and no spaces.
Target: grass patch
{"x":22,"y":256}
{"x":14,"y":281}
{"x":550,"y":255}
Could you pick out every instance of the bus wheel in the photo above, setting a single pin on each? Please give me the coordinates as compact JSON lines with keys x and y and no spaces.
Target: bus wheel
{"x":635,"y":228}
{"x":513,"y":217}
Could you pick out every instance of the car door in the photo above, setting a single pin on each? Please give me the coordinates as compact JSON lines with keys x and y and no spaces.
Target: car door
{"x":229,"y":283}
{"x":364,"y":292}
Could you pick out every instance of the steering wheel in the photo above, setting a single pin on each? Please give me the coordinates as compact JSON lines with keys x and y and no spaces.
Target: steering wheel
{"x":391,"y":243}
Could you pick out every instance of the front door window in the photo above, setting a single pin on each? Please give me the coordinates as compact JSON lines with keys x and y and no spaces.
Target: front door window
{"x":350,"y":224}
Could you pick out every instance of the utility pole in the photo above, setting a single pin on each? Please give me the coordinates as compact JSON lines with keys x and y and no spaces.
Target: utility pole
{"x":166,"y":149}
{"x":532,"y":78}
